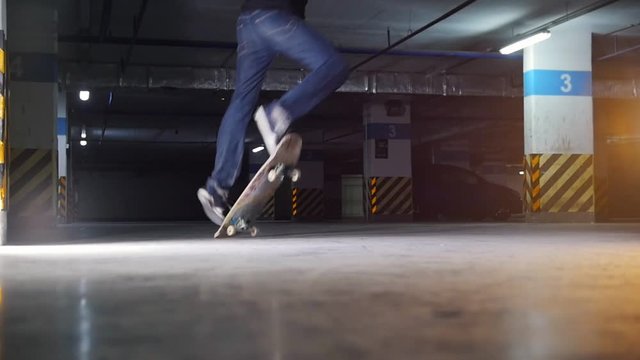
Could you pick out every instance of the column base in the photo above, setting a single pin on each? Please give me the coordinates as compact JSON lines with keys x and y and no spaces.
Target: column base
{"x":391,"y":218}
{"x":3,"y":228}
{"x":587,"y":217}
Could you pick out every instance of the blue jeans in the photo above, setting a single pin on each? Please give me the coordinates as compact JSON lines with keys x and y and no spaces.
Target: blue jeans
{"x":263,"y":34}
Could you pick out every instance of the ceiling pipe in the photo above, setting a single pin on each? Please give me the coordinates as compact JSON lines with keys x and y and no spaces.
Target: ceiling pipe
{"x":105,"y":19}
{"x":445,"y":16}
{"x":615,"y":36}
{"x":618,"y":53}
{"x":618,"y":31}
{"x":75,"y":75}
{"x":553,"y":23}
{"x":570,"y":16}
{"x":137,"y":23}
{"x":149,"y":77}
{"x":220,"y":45}
{"x":430,"y":53}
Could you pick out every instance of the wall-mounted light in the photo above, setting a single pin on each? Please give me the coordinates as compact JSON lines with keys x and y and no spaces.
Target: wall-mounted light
{"x":83,"y":142}
{"x":526,"y":42}
{"x":258,"y":149}
{"x":84,"y":95}
{"x":521,"y":172}
{"x":83,"y":133}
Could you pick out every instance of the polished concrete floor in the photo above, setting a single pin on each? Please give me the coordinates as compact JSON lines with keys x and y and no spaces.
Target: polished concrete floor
{"x":349,"y":291}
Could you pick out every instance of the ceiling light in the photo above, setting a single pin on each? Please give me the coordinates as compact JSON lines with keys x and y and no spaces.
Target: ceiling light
{"x":84,"y":95}
{"x":258,"y":149}
{"x":83,"y":142}
{"x":517,"y":46}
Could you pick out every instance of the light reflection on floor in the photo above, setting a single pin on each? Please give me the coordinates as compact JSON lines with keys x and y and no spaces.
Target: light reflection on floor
{"x":494,"y":291}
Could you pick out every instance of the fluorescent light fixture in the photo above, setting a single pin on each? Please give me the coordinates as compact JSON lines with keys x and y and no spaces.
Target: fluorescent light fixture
{"x":84,"y":95}
{"x":517,"y":46}
{"x":83,"y":142}
{"x":258,"y":149}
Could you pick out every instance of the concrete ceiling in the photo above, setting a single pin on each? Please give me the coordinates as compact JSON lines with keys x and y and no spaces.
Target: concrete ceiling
{"x":483,"y":26}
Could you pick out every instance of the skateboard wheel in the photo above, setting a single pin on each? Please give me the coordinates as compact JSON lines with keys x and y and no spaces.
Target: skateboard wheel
{"x":272,"y":175}
{"x":231,"y":231}
{"x":253,"y":231}
{"x":295,"y":175}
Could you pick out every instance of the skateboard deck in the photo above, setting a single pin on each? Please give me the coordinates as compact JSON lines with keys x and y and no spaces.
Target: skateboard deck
{"x":262,"y":187}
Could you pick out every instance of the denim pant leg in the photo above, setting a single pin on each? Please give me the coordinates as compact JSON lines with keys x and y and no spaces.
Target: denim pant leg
{"x":253,"y":60}
{"x":291,"y":36}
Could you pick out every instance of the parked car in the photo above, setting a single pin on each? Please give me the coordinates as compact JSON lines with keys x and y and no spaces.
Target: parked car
{"x":451,"y":192}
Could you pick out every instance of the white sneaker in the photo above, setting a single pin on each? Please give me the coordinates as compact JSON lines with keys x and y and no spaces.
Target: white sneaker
{"x":214,"y":212}
{"x":272,"y":123}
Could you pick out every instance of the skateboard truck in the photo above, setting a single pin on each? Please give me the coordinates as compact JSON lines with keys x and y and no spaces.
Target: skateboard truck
{"x":278,"y":171}
{"x":243,"y":226}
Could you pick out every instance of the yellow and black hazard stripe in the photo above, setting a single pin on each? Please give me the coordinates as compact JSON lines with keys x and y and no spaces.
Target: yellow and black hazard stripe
{"x":373,"y":195}
{"x":307,"y":203}
{"x":269,"y":211}
{"x":533,"y":189}
{"x":62,"y":198}
{"x":559,"y":183}
{"x":3,"y":125}
{"x":391,"y":196}
{"x":567,"y":183}
{"x":32,"y":182}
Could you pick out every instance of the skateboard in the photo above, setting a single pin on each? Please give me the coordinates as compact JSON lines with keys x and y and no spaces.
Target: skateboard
{"x":249,"y":206}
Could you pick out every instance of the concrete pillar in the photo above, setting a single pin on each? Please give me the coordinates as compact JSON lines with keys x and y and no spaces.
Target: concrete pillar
{"x":308,"y":197}
{"x":62,"y":133}
{"x":559,"y":145}
{"x":62,"y":138}
{"x":32,"y":34}
{"x":387,"y":160}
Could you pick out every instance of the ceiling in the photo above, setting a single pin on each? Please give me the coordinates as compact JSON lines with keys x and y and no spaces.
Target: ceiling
{"x":479,"y":28}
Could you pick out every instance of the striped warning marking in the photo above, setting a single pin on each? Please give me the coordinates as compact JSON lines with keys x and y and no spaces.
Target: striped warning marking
{"x":269,"y":211}
{"x":567,"y":183}
{"x":2,"y":61}
{"x":2,"y":106}
{"x":374,"y":195}
{"x":62,"y":198}
{"x":533,"y":190}
{"x":31,"y":182}
{"x":559,"y":183}
{"x":391,"y":196}
{"x":3,"y":125}
{"x":307,"y":203}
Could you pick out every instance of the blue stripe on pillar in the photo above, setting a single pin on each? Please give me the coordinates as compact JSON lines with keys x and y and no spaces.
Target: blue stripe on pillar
{"x":62,"y":126}
{"x":557,"y":83}
{"x":388,"y":131}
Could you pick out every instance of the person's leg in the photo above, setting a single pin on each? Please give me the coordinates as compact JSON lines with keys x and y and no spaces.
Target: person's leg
{"x":253,"y":59}
{"x":291,"y":36}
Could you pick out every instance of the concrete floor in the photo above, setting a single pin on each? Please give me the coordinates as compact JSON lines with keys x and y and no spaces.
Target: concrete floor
{"x":350,"y":291}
